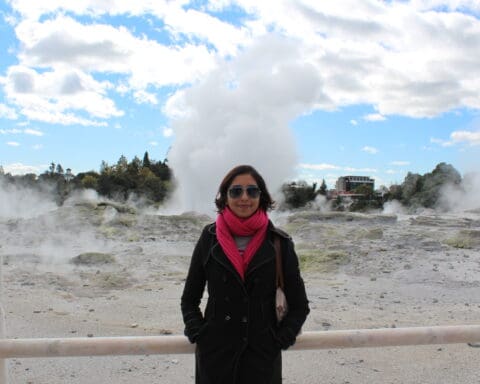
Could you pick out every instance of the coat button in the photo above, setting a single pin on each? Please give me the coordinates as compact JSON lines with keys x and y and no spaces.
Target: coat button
{"x":244,"y":319}
{"x":227,"y":299}
{"x":227,"y":318}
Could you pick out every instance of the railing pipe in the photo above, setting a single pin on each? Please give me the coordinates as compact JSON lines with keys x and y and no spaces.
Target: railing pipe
{"x":3,"y":363}
{"x":150,"y":345}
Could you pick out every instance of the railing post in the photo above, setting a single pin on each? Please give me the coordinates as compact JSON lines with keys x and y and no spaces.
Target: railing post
{"x":3,"y":362}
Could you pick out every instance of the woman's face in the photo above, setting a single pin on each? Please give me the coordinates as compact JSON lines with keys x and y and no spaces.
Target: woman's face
{"x":244,"y":205}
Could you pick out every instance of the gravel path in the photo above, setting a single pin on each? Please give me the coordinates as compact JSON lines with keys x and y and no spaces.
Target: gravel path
{"x":410,"y":271}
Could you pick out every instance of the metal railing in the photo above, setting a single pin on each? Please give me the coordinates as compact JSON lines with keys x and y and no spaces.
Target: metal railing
{"x":175,"y":344}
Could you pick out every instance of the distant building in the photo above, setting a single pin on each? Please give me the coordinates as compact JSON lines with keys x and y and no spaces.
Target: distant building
{"x":68,"y":175}
{"x":347,"y":184}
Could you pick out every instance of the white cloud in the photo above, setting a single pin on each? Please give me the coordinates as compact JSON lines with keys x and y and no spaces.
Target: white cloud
{"x":391,"y":55}
{"x":59,"y":94}
{"x":451,"y":5}
{"x":13,"y":143}
{"x":354,"y":122}
{"x":142,"y":97}
{"x":53,"y":96}
{"x":371,"y":150}
{"x":178,"y":20}
{"x":21,"y":169}
{"x":442,"y":143}
{"x":319,"y":167}
{"x":106,"y":49}
{"x":13,"y":131}
{"x":225,"y":37}
{"x":167,"y":132}
{"x":363,"y":170}
{"x":176,"y":106}
{"x":374,"y":117}
{"x":400,"y":163}
{"x":469,"y":137}
{"x":33,"y":132}
{"x":7,"y":112}
{"x":307,"y":177}
{"x":16,"y":131}
{"x":153,"y":143}
{"x":324,"y":167}
{"x":398,"y":75}
{"x":37,"y":147}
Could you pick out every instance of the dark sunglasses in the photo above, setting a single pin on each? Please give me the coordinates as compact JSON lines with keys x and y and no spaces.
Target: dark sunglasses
{"x":236,"y":191}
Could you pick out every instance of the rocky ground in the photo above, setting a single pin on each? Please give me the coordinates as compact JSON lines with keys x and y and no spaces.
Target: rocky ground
{"x":90,"y":269}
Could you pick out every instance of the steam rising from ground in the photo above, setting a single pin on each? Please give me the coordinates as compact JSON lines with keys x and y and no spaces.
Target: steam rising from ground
{"x":240,"y":115}
{"x":393,"y":207}
{"x":463,"y":198}
{"x":18,"y":202}
{"x":32,"y":224}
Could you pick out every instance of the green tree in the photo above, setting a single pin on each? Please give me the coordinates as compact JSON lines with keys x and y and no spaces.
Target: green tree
{"x":434,"y":182}
{"x":51,"y":169}
{"x":133,"y":168}
{"x":89,"y":182}
{"x":412,"y":185}
{"x":146,"y":161}
{"x":117,"y":182}
{"x":162,"y":170}
{"x":86,"y":180}
{"x":367,"y":201}
{"x":365,"y":190}
{"x":298,"y":194}
{"x":29,"y":180}
{"x":105,"y":168}
{"x":323,"y":188}
{"x":122,"y":165}
{"x":425,"y":190}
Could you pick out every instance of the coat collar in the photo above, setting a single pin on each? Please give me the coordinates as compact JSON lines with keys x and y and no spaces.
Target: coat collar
{"x":264,"y":254}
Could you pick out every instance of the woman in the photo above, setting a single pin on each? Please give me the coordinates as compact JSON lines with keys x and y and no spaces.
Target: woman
{"x":238,"y":338}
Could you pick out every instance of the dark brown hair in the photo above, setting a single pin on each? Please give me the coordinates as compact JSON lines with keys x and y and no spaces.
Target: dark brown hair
{"x":266,"y":201}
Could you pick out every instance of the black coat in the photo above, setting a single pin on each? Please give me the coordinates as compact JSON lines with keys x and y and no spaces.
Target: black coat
{"x":238,"y":338}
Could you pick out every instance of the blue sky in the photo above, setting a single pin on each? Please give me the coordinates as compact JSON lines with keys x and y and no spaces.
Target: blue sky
{"x":333,"y":88}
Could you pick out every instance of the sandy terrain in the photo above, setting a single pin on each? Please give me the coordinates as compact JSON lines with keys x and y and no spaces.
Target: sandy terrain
{"x":361,"y":271}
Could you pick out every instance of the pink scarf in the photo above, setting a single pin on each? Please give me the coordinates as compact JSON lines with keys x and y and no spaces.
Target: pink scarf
{"x":229,"y":225}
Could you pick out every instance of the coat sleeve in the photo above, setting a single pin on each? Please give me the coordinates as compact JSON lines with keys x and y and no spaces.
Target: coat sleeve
{"x":296,"y":296}
{"x":193,"y":291}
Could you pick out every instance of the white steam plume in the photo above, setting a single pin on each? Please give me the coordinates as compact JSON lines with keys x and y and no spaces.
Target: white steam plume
{"x":19,"y":202}
{"x":239,"y":115}
{"x":34,"y":225}
{"x":464,"y":198}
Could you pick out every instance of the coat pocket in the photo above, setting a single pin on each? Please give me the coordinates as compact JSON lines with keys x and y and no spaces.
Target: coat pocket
{"x":201,"y":333}
{"x":265,"y":345}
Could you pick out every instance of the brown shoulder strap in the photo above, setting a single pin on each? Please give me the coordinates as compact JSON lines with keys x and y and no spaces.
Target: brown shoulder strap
{"x":278,"y":262}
